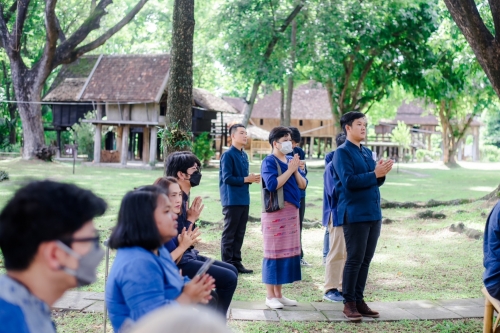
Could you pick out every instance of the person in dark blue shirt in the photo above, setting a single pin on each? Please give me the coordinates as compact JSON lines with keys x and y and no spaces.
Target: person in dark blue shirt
{"x":296,"y":138}
{"x":234,"y":178}
{"x":49,"y":245}
{"x":357,"y":179}
{"x":491,"y":249}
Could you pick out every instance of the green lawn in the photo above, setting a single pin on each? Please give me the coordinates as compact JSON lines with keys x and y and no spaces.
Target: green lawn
{"x":415,"y":259}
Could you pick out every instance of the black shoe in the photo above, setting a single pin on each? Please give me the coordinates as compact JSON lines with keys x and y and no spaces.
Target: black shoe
{"x":241,"y":269}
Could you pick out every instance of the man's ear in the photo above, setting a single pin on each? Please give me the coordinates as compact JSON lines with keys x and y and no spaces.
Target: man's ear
{"x":180,"y":175}
{"x":51,"y":254}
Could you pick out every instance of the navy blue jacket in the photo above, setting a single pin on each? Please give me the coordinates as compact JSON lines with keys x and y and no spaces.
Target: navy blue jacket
{"x":330,"y":200}
{"x":356,"y":184}
{"x":491,"y":249}
{"x":234,"y":167}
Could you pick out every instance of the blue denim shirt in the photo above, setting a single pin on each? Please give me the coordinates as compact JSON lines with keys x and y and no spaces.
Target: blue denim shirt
{"x":234,"y":167}
{"x":21,"y":311}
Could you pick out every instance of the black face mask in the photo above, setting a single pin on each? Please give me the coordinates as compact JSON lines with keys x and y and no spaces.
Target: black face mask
{"x":195,"y":179}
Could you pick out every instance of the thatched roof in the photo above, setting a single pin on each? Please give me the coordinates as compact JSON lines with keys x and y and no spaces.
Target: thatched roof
{"x":236,"y":102}
{"x":309,"y":101}
{"x":127,"y":78}
{"x":257,"y":133}
{"x":209,"y":101}
{"x":67,"y":91}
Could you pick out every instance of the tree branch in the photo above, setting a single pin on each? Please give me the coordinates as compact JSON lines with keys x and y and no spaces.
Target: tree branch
{"x":68,"y":51}
{"x":4,"y":32}
{"x":17,"y":29}
{"x":495,"y":12}
{"x":62,"y":36}
{"x":11,"y":11}
{"x":364,"y":73}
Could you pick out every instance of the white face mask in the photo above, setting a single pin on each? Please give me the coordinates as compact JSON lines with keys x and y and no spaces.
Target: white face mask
{"x":286,"y":147}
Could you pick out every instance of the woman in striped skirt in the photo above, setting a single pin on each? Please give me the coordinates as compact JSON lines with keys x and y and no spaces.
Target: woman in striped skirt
{"x":281,"y":229}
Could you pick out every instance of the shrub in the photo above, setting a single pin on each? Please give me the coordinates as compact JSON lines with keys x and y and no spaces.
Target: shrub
{"x":423,"y":154}
{"x":3,"y":175}
{"x":490,"y":153}
{"x":202,"y":147}
{"x":83,"y":134}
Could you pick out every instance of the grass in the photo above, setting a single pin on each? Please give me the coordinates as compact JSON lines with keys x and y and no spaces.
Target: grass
{"x":415,"y":259}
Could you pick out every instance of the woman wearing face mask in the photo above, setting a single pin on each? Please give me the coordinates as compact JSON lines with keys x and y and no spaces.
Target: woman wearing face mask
{"x":143,"y":276}
{"x":281,"y":229}
{"x":225,"y":275}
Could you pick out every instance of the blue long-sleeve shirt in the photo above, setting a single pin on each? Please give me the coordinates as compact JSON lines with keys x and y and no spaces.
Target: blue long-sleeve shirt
{"x":139,"y":282}
{"x":491,"y":249}
{"x":356,"y":185}
{"x":234,"y":167}
{"x":269,"y":174}
{"x":329,"y":197}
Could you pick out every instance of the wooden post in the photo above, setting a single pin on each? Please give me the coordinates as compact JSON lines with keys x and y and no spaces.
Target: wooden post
{"x":119,"y":132}
{"x":124,"y":151}
{"x":152,"y":146}
{"x":475,"y":144}
{"x":145,"y":145}
{"x":488,"y":316}
{"x":311,"y":147}
{"x":98,"y":135}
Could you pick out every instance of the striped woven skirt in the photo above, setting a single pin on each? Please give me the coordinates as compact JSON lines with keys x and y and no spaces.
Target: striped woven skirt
{"x":281,"y":231}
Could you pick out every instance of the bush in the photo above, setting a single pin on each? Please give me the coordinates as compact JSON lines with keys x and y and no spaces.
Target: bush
{"x":423,"y":154}
{"x":490,"y":153}
{"x":83,"y":134}
{"x":3,"y":175}
{"x":202,"y":148}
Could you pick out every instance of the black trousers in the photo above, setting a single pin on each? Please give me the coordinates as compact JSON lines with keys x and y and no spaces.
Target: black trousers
{"x":302,"y":211}
{"x":226,"y":280}
{"x":235,"y":225}
{"x":361,"y":241}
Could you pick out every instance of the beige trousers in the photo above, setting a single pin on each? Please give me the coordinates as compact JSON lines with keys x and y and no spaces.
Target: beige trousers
{"x":335,"y":261}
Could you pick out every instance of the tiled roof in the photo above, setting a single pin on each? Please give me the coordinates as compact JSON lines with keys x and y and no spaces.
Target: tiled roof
{"x":236,"y":102}
{"x":67,"y":90}
{"x":309,"y":101}
{"x":127,"y":78}
{"x":79,"y":69}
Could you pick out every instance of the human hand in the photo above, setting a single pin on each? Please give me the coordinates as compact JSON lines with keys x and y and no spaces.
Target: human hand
{"x":294,"y":163}
{"x":194,"y":212}
{"x":382,"y":168}
{"x":302,"y":165}
{"x":252,"y":178}
{"x":199,"y":288}
{"x":189,"y":237}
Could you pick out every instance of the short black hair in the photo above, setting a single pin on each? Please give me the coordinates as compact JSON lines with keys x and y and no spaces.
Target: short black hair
{"x":277,"y":133}
{"x":349,"y":117}
{"x":180,"y":161}
{"x":340,"y":139}
{"x":234,"y":128}
{"x":136,"y":225}
{"x":43,"y":211}
{"x":295,"y":134}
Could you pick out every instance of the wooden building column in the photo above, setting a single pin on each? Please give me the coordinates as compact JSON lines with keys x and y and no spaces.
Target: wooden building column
{"x":152,"y":145}
{"x":145,"y":145}
{"x":124,"y":145}
{"x":98,"y":135}
{"x":311,"y":147}
{"x":119,"y":132}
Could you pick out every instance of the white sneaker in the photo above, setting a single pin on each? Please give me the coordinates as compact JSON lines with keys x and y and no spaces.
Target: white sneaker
{"x":274,"y":303}
{"x":286,"y":301}
{"x":304,"y":263}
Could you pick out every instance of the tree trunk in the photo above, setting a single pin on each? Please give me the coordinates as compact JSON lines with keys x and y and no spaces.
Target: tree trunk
{"x":444,"y":132}
{"x":180,"y":82}
{"x":247,"y":112}
{"x":335,"y":117}
{"x":282,"y":105}
{"x":289,"y":90}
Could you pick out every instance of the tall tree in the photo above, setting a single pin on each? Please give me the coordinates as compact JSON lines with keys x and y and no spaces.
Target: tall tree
{"x":28,"y":77}
{"x":251,"y":31}
{"x":287,"y":112}
{"x":362,"y":47}
{"x":481,"y":30}
{"x":180,"y":81}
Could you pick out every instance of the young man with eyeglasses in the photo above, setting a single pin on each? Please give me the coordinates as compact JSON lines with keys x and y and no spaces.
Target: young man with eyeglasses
{"x":234,"y":181}
{"x":49,"y":244}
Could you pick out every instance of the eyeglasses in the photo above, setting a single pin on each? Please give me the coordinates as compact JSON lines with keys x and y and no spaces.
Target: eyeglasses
{"x":96,"y":240}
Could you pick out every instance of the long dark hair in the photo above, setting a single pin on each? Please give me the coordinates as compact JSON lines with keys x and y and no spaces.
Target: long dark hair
{"x":136,"y":224}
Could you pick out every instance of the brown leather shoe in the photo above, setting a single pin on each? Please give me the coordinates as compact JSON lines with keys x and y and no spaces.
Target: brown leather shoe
{"x":351,"y":313}
{"x":365,"y":310}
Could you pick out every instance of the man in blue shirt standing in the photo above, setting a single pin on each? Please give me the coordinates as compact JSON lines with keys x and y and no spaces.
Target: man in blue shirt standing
{"x":49,"y":244}
{"x":234,"y":179}
{"x":491,"y":249}
{"x":357,"y":179}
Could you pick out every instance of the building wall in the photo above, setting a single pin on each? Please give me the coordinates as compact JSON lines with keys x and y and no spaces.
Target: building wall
{"x":139,"y":112}
{"x":302,"y":124}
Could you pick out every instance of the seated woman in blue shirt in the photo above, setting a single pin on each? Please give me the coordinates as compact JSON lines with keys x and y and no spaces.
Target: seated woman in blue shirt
{"x":182,"y":249}
{"x":143,"y":276}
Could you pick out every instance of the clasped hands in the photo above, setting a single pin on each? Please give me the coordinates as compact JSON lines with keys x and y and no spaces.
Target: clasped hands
{"x":382,"y":168}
